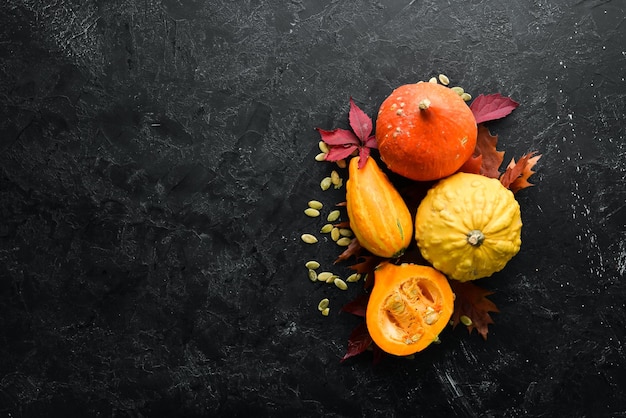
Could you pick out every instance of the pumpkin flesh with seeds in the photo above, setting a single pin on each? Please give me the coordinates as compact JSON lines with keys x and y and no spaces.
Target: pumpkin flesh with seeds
{"x":468,"y":226}
{"x":425,"y":131}
{"x":408,"y":307}
{"x":378,"y":215}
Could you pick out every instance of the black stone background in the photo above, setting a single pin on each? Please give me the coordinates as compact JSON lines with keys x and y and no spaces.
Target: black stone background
{"x":155,"y":160}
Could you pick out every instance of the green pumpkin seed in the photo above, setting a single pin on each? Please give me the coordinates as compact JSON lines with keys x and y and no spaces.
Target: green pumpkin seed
{"x":340,"y":284}
{"x":315,"y":204}
{"x":326,"y":183}
{"x":323,"y":146}
{"x":323,"y":304}
{"x":308,"y":238}
{"x":312,"y":265}
{"x":458,"y":90}
{"x":334,"y":234}
{"x":465,"y":320}
{"x":332,"y":278}
{"x":323,"y":276}
{"x":345,"y":232}
{"x":466,"y":96}
{"x":327,"y":228}
{"x":344,"y":242}
{"x":433,"y":80}
{"x":354,"y":277}
{"x":333,"y":215}
{"x":325,"y":311}
{"x":312,"y":275}
{"x":313,"y":213}
{"x":321,"y":156}
{"x":444,"y":79}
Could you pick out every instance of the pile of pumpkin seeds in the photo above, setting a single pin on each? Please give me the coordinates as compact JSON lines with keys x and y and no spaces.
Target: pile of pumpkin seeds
{"x":330,"y":278}
{"x":339,"y":235}
{"x":443,"y":79}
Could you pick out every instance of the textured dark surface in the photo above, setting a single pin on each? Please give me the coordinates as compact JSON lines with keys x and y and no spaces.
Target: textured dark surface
{"x":155,"y":160}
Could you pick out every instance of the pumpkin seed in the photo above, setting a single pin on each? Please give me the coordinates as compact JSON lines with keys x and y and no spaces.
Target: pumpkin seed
{"x":331,"y":279}
{"x":323,"y":304}
{"x":431,"y":318}
{"x":340,"y":284}
{"x":334,"y":177}
{"x":325,"y":311}
{"x":333,"y":215}
{"x":458,"y":90}
{"x":312,"y":275}
{"x":323,"y":146}
{"x":444,"y":79}
{"x":326,"y":183}
{"x":345,"y":232}
{"x":433,"y":80}
{"x":315,"y":204}
{"x":436,"y":340}
{"x":344,"y":242}
{"x":466,"y":96}
{"x":354,"y":277}
{"x":321,"y":156}
{"x":312,"y":265}
{"x":326,"y":228}
{"x":323,"y":276}
{"x":308,"y":238}
{"x":313,"y":213}
{"x":334,"y":234}
{"x":466,"y":320}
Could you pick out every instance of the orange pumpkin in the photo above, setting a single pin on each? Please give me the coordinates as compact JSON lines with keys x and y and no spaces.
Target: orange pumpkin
{"x":379,"y":218}
{"x":425,"y":131}
{"x":408,"y":307}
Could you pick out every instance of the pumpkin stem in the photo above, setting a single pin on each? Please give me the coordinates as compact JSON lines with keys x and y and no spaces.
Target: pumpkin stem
{"x":424,"y":104}
{"x":475,"y":238}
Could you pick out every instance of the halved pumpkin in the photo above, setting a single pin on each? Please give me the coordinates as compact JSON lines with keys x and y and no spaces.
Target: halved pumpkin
{"x":409,"y":306}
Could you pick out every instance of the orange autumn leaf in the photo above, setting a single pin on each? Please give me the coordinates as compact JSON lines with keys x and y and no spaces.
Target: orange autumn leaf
{"x":517,"y":173}
{"x":486,"y":159}
{"x":471,"y":301}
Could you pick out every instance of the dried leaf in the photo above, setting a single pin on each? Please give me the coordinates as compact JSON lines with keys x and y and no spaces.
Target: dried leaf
{"x":516,"y":175}
{"x":368,"y":265}
{"x":471,"y":301}
{"x":491,"y":157}
{"x":342,"y":142}
{"x":353,"y":249}
{"x":357,"y":306}
{"x":358,"y":341}
{"x":492,"y":107}
{"x":486,"y":159}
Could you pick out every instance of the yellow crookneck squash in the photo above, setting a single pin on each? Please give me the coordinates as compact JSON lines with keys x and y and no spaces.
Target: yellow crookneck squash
{"x":378,"y":215}
{"x":468,"y":226}
{"x":408,"y":307}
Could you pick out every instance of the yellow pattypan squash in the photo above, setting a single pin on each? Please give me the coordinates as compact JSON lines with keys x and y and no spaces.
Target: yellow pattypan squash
{"x":468,"y":226}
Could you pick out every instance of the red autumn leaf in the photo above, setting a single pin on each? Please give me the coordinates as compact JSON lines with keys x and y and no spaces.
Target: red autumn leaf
{"x":471,"y":301}
{"x":517,"y":173}
{"x":342,"y":142}
{"x":492,"y":107}
{"x":358,"y":341}
{"x":357,"y":306}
